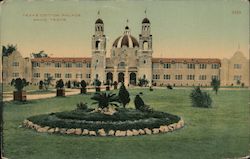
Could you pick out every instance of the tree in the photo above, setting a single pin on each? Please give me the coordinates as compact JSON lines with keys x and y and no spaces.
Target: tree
{"x":40,"y":54}
{"x":83,"y":85}
{"x":105,"y":99}
{"x":69,"y":84}
{"x":41,"y":83}
{"x":123,"y":95}
{"x":140,"y":105}
{"x":215,"y":83}
{"x":19,"y":84}
{"x":59,"y":84}
{"x":47,"y":82}
{"x":200,"y":99}
{"x":8,"y":50}
{"x":142,"y":82}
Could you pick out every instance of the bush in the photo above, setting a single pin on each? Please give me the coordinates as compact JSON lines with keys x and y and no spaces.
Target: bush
{"x":59,"y":84}
{"x":200,"y":99}
{"x":83,"y":84}
{"x":140,"y":105}
{"x":19,"y":84}
{"x":105,"y":99}
{"x":123,"y":95}
{"x":82,"y":106}
{"x":215,"y":83}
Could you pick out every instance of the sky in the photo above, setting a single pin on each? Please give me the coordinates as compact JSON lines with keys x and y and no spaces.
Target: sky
{"x":182,"y":28}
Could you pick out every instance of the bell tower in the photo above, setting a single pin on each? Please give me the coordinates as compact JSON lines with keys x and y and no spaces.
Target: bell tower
{"x":145,"y":51}
{"x":98,"y":61}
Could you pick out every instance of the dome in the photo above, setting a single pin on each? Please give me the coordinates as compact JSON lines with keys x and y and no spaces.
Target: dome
{"x":99,"y":21}
{"x":145,"y":20}
{"x":126,"y":40}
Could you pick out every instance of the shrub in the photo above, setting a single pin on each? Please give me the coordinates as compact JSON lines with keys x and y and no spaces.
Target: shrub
{"x":82,"y":106}
{"x":142,"y":82}
{"x":19,"y":84}
{"x":140,"y":105}
{"x":83,"y":84}
{"x":59,"y":84}
{"x":105,"y":99}
{"x":123,"y":95}
{"x":169,"y":86}
{"x":68,"y":84}
{"x":200,"y":99}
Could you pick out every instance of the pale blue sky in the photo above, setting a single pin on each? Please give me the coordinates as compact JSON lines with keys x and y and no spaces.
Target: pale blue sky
{"x":184,"y":28}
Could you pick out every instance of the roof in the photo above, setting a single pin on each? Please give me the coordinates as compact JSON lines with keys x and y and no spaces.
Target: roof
{"x":99,"y":21}
{"x":126,"y":40}
{"x":62,"y":59}
{"x":186,"y":60}
{"x":145,"y":20}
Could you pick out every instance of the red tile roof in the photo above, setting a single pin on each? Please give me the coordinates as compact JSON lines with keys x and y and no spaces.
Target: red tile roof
{"x":186,"y":60}
{"x":62,"y":59}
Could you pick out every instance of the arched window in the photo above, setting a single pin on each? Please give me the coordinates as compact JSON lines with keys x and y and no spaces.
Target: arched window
{"x":144,"y":61}
{"x":145,"y":45}
{"x":97,"y":45}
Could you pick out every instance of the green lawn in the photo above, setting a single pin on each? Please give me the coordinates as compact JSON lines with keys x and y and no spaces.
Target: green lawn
{"x":219,"y":132}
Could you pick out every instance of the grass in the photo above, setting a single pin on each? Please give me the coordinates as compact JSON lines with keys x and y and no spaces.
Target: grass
{"x":219,"y":132}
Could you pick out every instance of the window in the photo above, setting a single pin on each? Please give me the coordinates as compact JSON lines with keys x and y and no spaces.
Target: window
{"x":78,"y":75}
{"x":156,"y":76}
{"x":47,"y":64}
{"x":237,"y":66}
{"x":88,"y":65}
{"x":57,"y":75}
{"x":78,"y":64}
{"x":15,"y":74}
{"x":36,"y":64}
{"x":88,"y":75}
{"x":203,"y":66}
{"x":178,"y":77}
{"x":68,"y":64}
{"x":46,"y":75}
{"x":237,"y":77}
{"x":167,"y":77}
{"x":15,"y":64}
{"x":58,"y":64}
{"x":68,"y":75}
{"x":215,"y":66}
{"x":214,"y":77}
{"x":202,"y":77}
{"x":190,"y":77}
{"x":167,"y":65}
{"x":36,"y":75}
{"x":191,"y":66}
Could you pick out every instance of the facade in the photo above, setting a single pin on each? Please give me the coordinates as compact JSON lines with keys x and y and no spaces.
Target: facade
{"x":130,"y":60}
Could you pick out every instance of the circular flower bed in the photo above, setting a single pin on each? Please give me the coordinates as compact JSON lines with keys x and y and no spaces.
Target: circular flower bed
{"x":94,"y":122}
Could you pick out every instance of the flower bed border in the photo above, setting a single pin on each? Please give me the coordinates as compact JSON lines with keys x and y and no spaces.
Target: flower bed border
{"x":101,"y":132}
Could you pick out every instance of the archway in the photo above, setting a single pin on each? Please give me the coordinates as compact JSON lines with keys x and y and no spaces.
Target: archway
{"x":109,"y":77}
{"x":132,"y":79}
{"x":120,"y":77}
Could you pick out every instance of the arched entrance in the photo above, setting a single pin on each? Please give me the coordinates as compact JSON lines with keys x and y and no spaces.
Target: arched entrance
{"x":132,"y":79}
{"x":109,"y":77}
{"x":120,"y":77}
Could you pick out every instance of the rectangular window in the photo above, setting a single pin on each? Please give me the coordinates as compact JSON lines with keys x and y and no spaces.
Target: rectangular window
{"x":167,"y":77}
{"x":68,"y":75}
{"x":68,"y":64}
{"x":203,"y":66}
{"x":190,"y":77}
{"x":15,"y":75}
{"x":78,"y":64}
{"x":78,"y":75}
{"x":15,"y":64}
{"x":88,"y":65}
{"x":191,"y":66}
{"x":178,"y":77}
{"x":47,"y":64}
{"x":214,"y":77}
{"x":36,"y":64}
{"x":203,"y":77}
{"x":237,"y":77}
{"x":215,"y":66}
{"x":88,"y":75}
{"x":167,"y":65}
{"x":46,"y":75}
{"x":57,"y":75}
{"x":237,"y":66}
{"x":156,"y":76}
{"x":36,"y":75}
{"x":58,"y":64}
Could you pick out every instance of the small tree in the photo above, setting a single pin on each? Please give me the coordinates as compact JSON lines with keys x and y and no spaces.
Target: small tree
{"x":41,"y":84}
{"x":60,"y":84}
{"x":19,"y":84}
{"x":83,"y":85}
{"x":140,"y":105}
{"x":123,"y":95}
{"x":142,"y":82}
{"x":215,"y":84}
{"x":97,"y":84}
{"x":200,"y":99}
{"x":69,"y":84}
{"x":47,"y":82}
